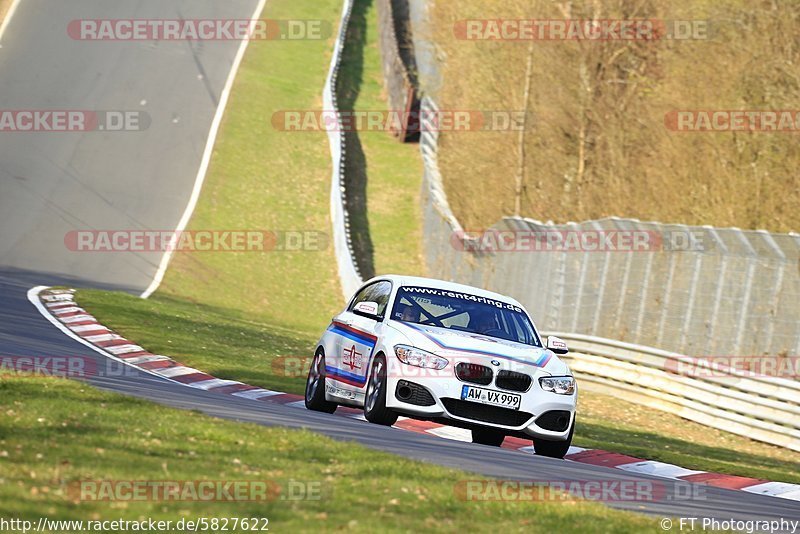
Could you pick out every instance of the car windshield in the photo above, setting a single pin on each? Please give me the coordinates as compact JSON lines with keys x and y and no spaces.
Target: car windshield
{"x":465,"y":313}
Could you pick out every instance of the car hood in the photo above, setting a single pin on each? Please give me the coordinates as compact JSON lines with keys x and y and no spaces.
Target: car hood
{"x":480,"y":349}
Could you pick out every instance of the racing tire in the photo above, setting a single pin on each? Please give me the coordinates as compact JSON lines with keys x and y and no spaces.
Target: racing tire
{"x":554,"y":449}
{"x":487,"y":436}
{"x":375,"y":410}
{"x":315,"y":386}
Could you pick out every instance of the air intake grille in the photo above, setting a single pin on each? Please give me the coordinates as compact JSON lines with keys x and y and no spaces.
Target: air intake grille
{"x":474,"y":373}
{"x":555,"y":420}
{"x":486,"y":414}
{"x":414,"y":393}
{"x":513,"y":381}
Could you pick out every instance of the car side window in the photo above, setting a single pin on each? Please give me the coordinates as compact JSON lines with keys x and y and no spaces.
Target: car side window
{"x":377,"y":292}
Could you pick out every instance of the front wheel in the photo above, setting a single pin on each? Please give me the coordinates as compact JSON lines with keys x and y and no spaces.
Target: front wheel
{"x":554,"y":449}
{"x":315,"y":386}
{"x":487,"y":436}
{"x":375,"y":410}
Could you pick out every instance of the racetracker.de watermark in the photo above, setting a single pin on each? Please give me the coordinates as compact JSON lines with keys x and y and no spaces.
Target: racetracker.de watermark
{"x":580,"y":29}
{"x":64,"y":120}
{"x":195,"y":490}
{"x":18,"y":366}
{"x":556,"y":240}
{"x":311,"y":120}
{"x":149,"y":524}
{"x":764,"y":121}
{"x":195,"y":240}
{"x":723,"y":366}
{"x":199,"y":29}
{"x":619,"y":490}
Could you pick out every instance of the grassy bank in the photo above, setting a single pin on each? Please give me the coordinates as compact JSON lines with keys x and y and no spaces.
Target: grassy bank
{"x":262,"y":177}
{"x":597,"y":144}
{"x":612,"y":424}
{"x":56,"y":433}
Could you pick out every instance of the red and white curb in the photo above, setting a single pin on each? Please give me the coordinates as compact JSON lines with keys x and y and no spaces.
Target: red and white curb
{"x":60,"y":308}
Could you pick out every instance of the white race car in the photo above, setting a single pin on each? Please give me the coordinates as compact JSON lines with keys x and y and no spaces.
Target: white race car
{"x":449,"y":353}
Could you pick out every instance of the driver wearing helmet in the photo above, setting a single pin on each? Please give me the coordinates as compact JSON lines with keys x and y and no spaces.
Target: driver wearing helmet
{"x":408,"y":314}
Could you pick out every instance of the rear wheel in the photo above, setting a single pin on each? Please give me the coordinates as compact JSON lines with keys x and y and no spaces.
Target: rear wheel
{"x":554,"y":449}
{"x":315,"y":386}
{"x":487,"y":436}
{"x":375,"y":410}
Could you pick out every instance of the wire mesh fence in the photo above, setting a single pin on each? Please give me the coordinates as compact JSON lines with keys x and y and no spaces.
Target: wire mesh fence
{"x":695,"y":290}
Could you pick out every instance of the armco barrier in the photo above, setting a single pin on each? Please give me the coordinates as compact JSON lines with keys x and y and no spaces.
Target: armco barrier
{"x":758,"y":407}
{"x":349,"y":276}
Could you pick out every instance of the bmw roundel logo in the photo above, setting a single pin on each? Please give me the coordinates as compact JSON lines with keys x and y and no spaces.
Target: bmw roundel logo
{"x":495,"y":363}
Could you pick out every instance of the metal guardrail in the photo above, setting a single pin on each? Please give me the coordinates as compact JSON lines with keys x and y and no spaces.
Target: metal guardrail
{"x":758,"y":407}
{"x":349,"y":275}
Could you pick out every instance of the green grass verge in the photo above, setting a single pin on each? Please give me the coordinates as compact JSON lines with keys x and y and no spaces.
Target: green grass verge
{"x":234,"y":348}
{"x":211,"y":339}
{"x":263,"y":178}
{"x":55,"y":433}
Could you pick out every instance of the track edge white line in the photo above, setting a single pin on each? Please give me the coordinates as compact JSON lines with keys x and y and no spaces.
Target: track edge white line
{"x":33,"y":298}
{"x":206,"y":159}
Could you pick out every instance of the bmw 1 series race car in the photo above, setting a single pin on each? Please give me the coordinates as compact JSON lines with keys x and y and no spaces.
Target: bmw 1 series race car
{"x":449,"y":353}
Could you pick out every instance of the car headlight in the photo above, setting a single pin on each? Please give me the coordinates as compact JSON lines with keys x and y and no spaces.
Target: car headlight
{"x":562,"y":385}
{"x":419,"y":358}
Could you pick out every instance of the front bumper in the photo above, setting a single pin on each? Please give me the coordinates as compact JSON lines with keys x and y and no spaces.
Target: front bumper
{"x":447,"y":407}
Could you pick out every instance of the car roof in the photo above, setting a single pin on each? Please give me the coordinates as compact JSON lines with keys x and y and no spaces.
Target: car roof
{"x":402,"y":280}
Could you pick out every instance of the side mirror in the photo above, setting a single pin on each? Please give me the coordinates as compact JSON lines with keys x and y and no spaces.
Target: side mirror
{"x":557,"y":345}
{"x":367,"y":309}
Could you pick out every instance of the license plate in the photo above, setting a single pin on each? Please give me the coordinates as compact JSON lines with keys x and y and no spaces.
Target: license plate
{"x":491,"y":397}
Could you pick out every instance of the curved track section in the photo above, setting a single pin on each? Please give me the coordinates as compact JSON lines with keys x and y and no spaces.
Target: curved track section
{"x":51,"y":183}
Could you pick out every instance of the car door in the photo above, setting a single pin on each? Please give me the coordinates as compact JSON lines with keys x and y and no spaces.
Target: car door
{"x":356,"y":337}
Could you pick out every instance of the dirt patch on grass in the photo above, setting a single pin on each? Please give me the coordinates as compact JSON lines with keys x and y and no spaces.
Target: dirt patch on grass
{"x":597,"y":144}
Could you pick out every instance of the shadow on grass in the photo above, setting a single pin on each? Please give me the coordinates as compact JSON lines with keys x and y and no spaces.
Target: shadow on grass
{"x":348,"y":87}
